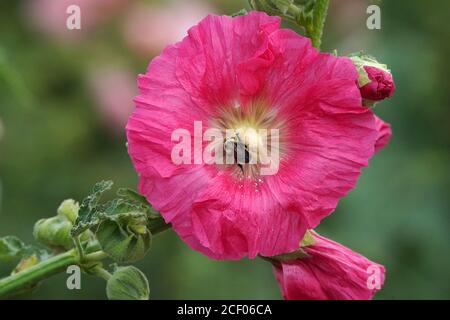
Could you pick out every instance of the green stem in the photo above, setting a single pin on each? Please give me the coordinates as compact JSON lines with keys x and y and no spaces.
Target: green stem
{"x":319,"y":15}
{"x":79,"y":248}
{"x":34,"y":274}
{"x":95,"y":256}
{"x":28,"y":277}
{"x":102,"y":273}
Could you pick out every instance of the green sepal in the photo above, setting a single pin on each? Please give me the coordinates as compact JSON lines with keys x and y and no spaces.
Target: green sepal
{"x":369,"y":103}
{"x":361,"y":60}
{"x":122,"y":243}
{"x":294,"y":255}
{"x":308,"y":239}
{"x":300,"y":253}
{"x":123,"y":232}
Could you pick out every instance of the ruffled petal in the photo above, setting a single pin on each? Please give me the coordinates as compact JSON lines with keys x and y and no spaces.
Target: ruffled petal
{"x":235,"y":220}
{"x":384,"y":133}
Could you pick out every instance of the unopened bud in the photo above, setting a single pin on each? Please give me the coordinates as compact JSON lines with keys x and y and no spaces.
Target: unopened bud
{"x":127,"y":283}
{"x":375,"y":79}
{"x":69,"y":208}
{"x":122,"y":242}
{"x":54,"y":232}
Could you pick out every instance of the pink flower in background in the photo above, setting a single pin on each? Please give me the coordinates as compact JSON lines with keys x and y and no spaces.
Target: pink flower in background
{"x":149,"y":28}
{"x":382,"y":84}
{"x":246,"y":71}
{"x":113,"y":89}
{"x":331,"y":272}
{"x":50,"y":16}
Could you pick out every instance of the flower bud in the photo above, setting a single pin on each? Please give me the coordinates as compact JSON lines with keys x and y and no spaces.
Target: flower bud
{"x":124,"y":242}
{"x":375,"y":79}
{"x":54,"y":232}
{"x":382,"y":85}
{"x":127,"y":283}
{"x":69,"y":208}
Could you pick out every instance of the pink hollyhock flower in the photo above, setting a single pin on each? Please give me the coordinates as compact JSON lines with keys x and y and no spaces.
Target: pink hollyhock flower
{"x":247,"y":72}
{"x":330,"y":272}
{"x":112,"y":89}
{"x":149,"y":28}
{"x":382,"y":84}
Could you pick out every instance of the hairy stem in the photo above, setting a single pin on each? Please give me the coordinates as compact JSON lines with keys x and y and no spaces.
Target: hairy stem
{"x":79,"y":248}
{"x":34,"y":274}
{"x":319,"y":15}
{"x":56,"y":264}
{"x":102,"y":273}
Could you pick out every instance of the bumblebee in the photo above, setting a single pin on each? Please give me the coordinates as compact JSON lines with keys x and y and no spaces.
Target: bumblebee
{"x":238,"y":149}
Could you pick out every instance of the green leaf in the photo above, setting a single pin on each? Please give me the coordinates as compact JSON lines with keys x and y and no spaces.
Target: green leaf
{"x":87,"y":216}
{"x":121,"y":225}
{"x":133,"y":196}
{"x":12,"y":248}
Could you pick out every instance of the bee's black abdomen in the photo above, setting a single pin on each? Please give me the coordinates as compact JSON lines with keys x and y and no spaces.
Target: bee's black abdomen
{"x":241,"y":153}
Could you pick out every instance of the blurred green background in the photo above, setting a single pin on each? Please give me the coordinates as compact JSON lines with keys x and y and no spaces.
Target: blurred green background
{"x":65,"y":96}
